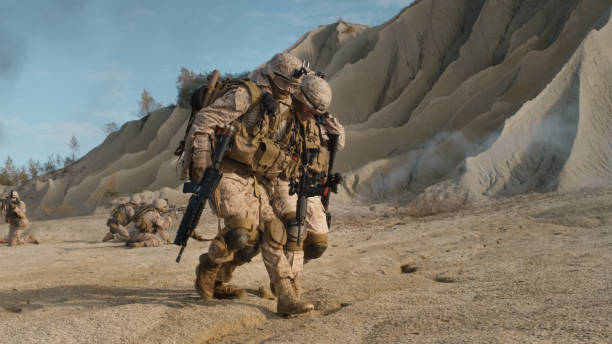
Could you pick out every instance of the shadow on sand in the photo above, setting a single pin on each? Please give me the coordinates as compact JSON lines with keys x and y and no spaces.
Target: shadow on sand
{"x":99,"y":297}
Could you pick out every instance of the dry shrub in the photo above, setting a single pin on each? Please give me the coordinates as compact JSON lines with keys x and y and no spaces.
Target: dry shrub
{"x":349,"y":29}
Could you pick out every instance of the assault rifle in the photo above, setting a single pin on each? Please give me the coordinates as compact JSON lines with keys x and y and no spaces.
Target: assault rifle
{"x":202,"y":191}
{"x":333,"y":179}
{"x":174,"y":209}
{"x":304,"y":186}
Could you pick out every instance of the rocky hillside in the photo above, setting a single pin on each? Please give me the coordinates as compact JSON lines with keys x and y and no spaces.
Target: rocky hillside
{"x":461,"y":99}
{"x":137,"y":158}
{"x":504,"y":96}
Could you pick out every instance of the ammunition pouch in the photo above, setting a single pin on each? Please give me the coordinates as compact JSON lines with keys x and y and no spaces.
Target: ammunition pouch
{"x":243,"y":149}
{"x":268,"y":159}
{"x":320,"y":164}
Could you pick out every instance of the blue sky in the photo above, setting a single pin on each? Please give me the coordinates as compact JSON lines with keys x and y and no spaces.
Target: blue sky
{"x":70,"y":66}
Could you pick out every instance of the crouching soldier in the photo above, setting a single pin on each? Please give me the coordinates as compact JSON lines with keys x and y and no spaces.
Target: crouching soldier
{"x":149,"y":221}
{"x":16,"y":218}
{"x":120,"y":218}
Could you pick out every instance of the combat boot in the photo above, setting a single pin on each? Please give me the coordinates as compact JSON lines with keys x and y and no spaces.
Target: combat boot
{"x":108,"y":236}
{"x":31,"y":240}
{"x":288,"y":304}
{"x":206,"y":274}
{"x":296,"y":285}
{"x":228,"y":291}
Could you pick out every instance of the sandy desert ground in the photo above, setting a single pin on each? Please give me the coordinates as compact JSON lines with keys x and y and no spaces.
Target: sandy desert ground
{"x":529,"y":269}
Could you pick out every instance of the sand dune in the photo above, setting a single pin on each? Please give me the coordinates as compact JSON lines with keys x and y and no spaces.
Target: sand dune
{"x":496,"y":97}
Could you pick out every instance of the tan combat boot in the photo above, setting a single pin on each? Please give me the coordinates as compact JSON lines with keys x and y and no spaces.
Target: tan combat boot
{"x":296,"y":285}
{"x":108,"y":236}
{"x":288,"y":304}
{"x":31,"y":240}
{"x":206,"y":274}
{"x":228,"y":291}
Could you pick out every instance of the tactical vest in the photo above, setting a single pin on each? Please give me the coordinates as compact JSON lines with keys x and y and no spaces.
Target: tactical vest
{"x":220,"y":88}
{"x":141,"y":222}
{"x":270,"y":145}
{"x":12,"y":217}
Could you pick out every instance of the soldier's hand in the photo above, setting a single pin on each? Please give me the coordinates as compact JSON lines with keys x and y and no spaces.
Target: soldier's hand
{"x":173,"y":214}
{"x":269,"y":103}
{"x":200,"y":162}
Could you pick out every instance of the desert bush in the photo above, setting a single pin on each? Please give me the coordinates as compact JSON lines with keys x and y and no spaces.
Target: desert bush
{"x":147,"y":104}
{"x":186,"y":83}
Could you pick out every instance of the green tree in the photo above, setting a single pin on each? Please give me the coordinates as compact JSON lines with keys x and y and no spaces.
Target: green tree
{"x":34,"y":168}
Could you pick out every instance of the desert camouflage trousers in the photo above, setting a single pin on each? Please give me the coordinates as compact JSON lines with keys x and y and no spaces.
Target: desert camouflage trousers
{"x":15,"y":235}
{"x":149,"y":239}
{"x":119,"y":232}
{"x":242,"y":202}
{"x":284,"y":204}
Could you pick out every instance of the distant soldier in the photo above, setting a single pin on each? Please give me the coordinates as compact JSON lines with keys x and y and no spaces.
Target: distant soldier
{"x":17,"y":220}
{"x":147,"y":222}
{"x":120,"y":218}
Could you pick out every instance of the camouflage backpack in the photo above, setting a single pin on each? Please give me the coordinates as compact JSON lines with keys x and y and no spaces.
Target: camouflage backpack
{"x":120,"y":215}
{"x":208,"y":93}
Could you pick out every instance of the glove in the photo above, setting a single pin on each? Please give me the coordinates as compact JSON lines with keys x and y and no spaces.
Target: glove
{"x":269,"y":103}
{"x":201,"y":158}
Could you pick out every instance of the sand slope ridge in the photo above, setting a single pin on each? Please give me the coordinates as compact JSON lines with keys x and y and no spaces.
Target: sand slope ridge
{"x":134,"y":159}
{"x":545,"y":70}
{"x":492,"y":97}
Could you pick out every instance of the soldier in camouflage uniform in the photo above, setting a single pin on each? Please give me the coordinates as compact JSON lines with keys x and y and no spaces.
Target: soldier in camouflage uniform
{"x":17,"y":220}
{"x":147,"y":223}
{"x":240,"y":199}
{"x":121,"y":216}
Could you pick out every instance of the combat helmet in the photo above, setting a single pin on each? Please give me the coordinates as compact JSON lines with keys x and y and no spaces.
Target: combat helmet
{"x":314,"y":92}
{"x":135,"y":200}
{"x":281,"y":70}
{"x":160,"y":204}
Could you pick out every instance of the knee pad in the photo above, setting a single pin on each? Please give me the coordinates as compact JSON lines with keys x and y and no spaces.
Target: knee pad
{"x":236,"y":238}
{"x":315,"y":245}
{"x":292,"y":233}
{"x":274,"y":233}
{"x":247,"y":253}
{"x":241,"y":232}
